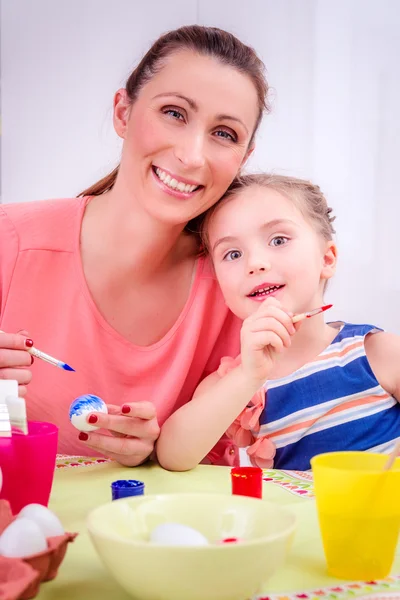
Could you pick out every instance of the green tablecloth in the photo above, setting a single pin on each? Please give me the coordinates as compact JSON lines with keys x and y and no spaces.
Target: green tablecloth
{"x":82,"y":484}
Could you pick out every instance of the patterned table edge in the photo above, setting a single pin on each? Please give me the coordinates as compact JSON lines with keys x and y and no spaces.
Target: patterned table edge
{"x":299,"y":483}
{"x":65,"y":461}
{"x":382,"y":589}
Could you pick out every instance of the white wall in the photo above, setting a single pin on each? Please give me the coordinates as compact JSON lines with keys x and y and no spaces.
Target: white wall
{"x":62,"y":61}
{"x":334,"y":70}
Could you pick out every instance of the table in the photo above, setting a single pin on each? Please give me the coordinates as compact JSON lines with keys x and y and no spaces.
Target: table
{"x":81,"y":484}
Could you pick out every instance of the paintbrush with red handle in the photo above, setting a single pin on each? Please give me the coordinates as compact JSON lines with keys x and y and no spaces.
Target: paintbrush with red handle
{"x":311,"y":313}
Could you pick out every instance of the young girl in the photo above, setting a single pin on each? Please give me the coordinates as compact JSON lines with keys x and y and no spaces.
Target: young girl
{"x":295,"y":390}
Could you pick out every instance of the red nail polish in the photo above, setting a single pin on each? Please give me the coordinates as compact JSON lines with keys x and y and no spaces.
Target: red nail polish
{"x":32,"y":360}
{"x":93,"y":419}
{"x":28,"y":343}
{"x":125,"y":409}
{"x":83,"y":436}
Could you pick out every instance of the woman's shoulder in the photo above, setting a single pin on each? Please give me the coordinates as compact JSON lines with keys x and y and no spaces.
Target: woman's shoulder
{"x":43,"y":224}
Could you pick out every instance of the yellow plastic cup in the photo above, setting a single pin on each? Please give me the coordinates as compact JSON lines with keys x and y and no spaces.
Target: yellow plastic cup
{"x":359,"y":512}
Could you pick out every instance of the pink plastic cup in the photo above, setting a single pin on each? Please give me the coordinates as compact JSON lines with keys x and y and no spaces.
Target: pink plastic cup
{"x":27,"y":463}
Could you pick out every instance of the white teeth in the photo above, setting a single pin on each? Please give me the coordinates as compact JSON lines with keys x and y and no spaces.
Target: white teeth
{"x":266,"y":291}
{"x":161,"y":174}
{"x":173,"y":183}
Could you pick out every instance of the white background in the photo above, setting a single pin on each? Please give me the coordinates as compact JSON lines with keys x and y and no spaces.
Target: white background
{"x":334,"y":67}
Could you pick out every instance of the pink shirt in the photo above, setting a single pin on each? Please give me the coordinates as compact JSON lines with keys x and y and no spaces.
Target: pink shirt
{"x":43,"y":290}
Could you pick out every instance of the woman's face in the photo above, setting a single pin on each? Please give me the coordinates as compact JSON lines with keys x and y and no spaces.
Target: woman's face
{"x":186,"y":136}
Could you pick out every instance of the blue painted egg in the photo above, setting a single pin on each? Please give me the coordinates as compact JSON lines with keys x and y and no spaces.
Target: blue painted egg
{"x":83,"y":406}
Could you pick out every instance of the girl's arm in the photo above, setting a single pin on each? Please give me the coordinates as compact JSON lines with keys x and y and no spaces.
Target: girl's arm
{"x":193,"y":430}
{"x":190,"y":433}
{"x":383,"y":353}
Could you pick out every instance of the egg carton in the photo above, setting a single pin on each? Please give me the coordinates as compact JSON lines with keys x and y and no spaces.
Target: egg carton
{"x":20,"y":578}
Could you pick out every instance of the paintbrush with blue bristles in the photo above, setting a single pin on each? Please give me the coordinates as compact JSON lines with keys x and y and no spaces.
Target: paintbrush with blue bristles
{"x":46,"y":357}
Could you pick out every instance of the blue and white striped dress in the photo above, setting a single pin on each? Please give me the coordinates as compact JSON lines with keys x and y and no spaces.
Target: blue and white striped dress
{"x":332,"y":403}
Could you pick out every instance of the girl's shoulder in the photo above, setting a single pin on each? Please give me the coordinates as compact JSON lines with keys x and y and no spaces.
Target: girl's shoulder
{"x":347,"y":331}
{"x":383,"y":353}
{"x":380,"y":350}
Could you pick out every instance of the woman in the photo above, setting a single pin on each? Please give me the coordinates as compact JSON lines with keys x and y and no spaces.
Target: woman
{"x":112,"y":282}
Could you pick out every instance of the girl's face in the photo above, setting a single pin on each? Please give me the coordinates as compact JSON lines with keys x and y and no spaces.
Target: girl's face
{"x":186,"y":136}
{"x":261,"y":245}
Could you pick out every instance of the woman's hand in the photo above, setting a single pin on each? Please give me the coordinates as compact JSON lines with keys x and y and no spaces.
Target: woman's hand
{"x":15,"y":360}
{"x":134,"y":428}
{"x":264,"y":336}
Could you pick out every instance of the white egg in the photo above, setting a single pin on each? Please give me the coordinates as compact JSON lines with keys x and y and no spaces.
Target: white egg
{"x":22,"y":538}
{"x":49,"y":524}
{"x":175,"y":534}
{"x":82,"y":407}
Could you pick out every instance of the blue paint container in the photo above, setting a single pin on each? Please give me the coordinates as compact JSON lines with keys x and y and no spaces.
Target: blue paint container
{"x":125,"y":488}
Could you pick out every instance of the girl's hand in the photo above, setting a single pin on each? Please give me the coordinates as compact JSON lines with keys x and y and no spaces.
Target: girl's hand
{"x":265,"y":335}
{"x":134,"y":428}
{"x":15,"y":360}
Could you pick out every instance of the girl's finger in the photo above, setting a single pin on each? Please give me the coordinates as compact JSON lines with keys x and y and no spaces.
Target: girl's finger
{"x":298,"y":325}
{"x":280,"y":315}
{"x":263,"y":339}
{"x":271,"y":324}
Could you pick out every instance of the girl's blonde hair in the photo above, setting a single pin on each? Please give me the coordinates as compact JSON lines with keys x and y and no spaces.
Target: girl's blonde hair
{"x":308,"y":198}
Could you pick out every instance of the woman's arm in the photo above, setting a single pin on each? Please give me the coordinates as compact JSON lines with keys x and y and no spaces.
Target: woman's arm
{"x":383,"y":353}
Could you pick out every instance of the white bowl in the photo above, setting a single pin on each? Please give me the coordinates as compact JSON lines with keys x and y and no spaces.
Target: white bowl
{"x":121,"y":529}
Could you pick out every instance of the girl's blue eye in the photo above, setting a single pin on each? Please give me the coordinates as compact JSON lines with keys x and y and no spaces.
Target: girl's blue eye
{"x":279,"y":240}
{"x":233,"y":255}
{"x":226,"y":135}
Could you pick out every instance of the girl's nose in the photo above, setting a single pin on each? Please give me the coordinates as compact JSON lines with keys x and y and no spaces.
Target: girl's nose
{"x":259,"y":267}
